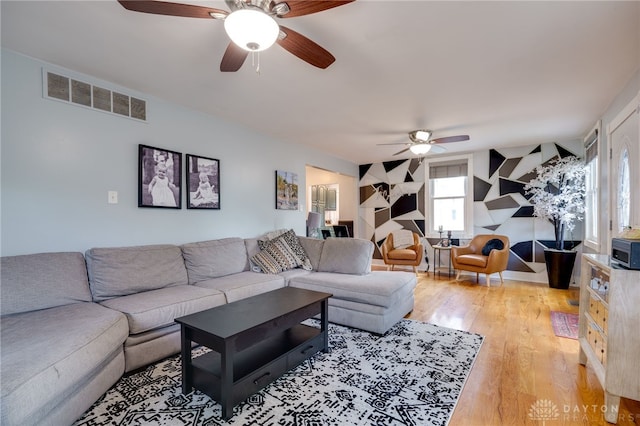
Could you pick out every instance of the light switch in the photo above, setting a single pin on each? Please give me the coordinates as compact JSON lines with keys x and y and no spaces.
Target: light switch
{"x":112,"y":197}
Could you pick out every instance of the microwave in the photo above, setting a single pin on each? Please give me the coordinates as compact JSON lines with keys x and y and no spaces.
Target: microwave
{"x":626,"y":252}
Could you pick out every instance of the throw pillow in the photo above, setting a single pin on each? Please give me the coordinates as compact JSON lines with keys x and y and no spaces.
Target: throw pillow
{"x":276,"y":257}
{"x":294,"y":243}
{"x":493,"y":244}
{"x":272,"y":235}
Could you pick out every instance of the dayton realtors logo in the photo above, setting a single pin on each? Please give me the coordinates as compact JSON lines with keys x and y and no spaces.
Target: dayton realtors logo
{"x":543,"y":410}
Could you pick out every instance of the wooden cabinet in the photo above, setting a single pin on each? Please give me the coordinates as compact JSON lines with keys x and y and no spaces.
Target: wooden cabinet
{"x":610,"y":329}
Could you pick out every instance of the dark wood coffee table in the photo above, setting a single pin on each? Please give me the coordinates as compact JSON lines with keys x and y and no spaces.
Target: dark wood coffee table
{"x":253,"y":341}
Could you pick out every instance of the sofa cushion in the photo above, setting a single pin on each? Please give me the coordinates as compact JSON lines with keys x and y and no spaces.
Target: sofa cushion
{"x":380,"y":288}
{"x":473,"y":260}
{"x":287,"y":275}
{"x":346,"y":256}
{"x":313,"y":248}
{"x":403,"y":254}
{"x":245,"y":284}
{"x":153,"y":309}
{"x":215,"y":258}
{"x":44,"y":280}
{"x":120,"y":271}
{"x":48,"y":354}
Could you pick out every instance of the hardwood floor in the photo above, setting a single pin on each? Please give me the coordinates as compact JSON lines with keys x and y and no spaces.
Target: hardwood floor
{"x":521,"y":362}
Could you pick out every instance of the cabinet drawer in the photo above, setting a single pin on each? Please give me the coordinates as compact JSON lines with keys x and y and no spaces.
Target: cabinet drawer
{"x":592,"y":334}
{"x":598,"y":312}
{"x":597,"y":342}
{"x":260,"y":378}
{"x":304,"y":351}
{"x":603,"y":321}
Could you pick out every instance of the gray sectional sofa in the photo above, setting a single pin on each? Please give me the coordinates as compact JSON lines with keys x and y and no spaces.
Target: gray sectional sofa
{"x":72,"y":325}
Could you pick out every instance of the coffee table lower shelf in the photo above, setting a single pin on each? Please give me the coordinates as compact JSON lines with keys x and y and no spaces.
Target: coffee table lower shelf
{"x":260,"y":364}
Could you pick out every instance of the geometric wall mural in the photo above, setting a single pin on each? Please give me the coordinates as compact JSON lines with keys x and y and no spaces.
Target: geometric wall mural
{"x":501,"y":205}
{"x":391,"y":198}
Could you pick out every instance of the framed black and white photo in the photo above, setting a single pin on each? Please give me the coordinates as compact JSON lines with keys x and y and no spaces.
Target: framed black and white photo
{"x":159,"y":178}
{"x":203,"y":182}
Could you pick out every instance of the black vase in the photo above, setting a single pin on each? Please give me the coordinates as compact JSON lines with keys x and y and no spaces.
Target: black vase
{"x":559,"y":267}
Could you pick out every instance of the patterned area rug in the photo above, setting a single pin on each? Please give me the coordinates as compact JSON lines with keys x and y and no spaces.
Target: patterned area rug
{"x":565,"y":324}
{"x":413,"y":375}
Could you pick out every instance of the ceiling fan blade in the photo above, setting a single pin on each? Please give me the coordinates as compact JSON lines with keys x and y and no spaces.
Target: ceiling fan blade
{"x":233,"y":58}
{"x":305,"y":49}
{"x":400,"y":152}
{"x":171,"y":9}
{"x":447,"y":139}
{"x":307,"y":7}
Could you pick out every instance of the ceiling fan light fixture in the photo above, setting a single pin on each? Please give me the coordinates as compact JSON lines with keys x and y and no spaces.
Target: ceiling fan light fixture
{"x":251,"y":29}
{"x":420,"y":148}
{"x":420,"y":135}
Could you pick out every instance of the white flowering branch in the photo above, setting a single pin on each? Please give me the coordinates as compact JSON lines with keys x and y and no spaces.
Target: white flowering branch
{"x":557,"y":194}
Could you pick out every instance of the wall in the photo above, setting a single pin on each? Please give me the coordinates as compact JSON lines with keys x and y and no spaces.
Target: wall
{"x":502,"y":207}
{"x":392,"y":196}
{"x":59,"y":160}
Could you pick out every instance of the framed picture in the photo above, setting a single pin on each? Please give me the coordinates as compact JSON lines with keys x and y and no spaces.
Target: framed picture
{"x":159,"y":178}
{"x":286,"y":190}
{"x":203,"y":181}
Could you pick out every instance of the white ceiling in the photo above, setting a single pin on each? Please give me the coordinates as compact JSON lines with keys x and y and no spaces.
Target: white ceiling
{"x":505,"y":73}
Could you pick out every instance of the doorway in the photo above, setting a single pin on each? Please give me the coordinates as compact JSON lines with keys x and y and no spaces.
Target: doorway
{"x":623,"y":133}
{"x":334,"y":196}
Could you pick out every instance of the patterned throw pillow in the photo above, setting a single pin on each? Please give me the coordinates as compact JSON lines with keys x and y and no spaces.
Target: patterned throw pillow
{"x":276,"y":257}
{"x":294,"y":243}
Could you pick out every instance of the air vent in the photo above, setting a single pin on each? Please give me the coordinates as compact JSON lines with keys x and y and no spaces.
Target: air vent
{"x":67,"y":89}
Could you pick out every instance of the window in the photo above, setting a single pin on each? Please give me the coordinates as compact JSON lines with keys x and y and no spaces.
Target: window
{"x":592,"y":198}
{"x":449,"y":201}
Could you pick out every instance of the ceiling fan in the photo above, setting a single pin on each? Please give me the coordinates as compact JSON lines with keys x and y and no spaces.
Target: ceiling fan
{"x":421,"y":142}
{"x":251,"y":26}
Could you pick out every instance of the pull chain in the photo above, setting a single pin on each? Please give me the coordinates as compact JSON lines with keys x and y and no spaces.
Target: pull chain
{"x":253,"y":62}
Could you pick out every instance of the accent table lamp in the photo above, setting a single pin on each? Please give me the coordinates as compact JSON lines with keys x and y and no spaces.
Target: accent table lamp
{"x":314,"y":221}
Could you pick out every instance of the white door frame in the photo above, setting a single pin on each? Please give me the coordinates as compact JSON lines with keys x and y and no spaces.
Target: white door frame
{"x":632,"y":108}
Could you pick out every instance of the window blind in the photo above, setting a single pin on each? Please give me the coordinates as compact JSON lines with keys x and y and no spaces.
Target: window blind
{"x":447,"y":169}
{"x":591,"y":147}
